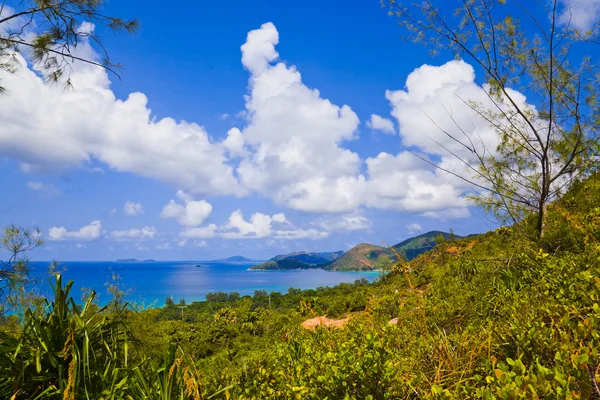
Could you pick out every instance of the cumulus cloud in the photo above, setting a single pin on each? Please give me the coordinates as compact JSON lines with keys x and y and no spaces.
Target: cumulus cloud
{"x":90,"y":123}
{"x":432,"y":112}
{"x":234,"y":142}
{"x":583,"y":15}
{"x":261,"y":226}
{"x":290,"y":149}
{"x":87,"y":232}
{"x":406,"y":183}
{"x":379,"y":123}
{"x":132,"y":209}
{"x":258,"y":227}
{"x":192,"y":213}
{"x":294,"y":134}
{"x":147,"y":232}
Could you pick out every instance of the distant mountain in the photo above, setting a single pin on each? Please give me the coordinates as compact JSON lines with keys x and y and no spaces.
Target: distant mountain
{"x":367,"y":257}
{"x":233,"y":259}
{"x":299,"y":260}
{"x":362,"y":257}
{"x":128,"y":260}
{"x":149,"y":260}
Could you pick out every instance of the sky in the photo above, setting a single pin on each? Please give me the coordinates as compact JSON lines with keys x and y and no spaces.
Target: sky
{"x":240,"y":128}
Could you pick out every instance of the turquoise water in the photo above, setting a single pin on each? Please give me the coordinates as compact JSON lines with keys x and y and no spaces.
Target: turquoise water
{"x":150,"y":282}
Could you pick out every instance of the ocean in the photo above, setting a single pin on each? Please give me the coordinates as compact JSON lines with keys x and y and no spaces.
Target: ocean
{"x":150,"y":283}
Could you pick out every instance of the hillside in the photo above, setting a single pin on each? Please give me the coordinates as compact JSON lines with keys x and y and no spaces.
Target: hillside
{"x":299,"y":260}
{"x":362,"y":257}
{"x":418,"y":245}
{"x":368,"y":257}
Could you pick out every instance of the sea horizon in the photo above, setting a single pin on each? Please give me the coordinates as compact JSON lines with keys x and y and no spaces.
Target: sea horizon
{"x":151,"y":282}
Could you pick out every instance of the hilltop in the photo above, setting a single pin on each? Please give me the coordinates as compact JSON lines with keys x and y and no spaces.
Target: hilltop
{"x":368,"y":257}
{"x":299,"y":260}
{"x":363,"y":257}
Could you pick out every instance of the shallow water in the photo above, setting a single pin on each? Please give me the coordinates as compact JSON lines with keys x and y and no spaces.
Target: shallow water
{"x":150,"y":282}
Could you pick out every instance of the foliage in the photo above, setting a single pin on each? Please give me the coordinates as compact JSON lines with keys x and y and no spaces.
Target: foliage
{"x":15,"y":281}
{"x":51,"y":31}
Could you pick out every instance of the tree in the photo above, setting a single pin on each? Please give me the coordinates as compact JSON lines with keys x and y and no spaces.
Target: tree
{"x":50,"y":31}
{"x":169,"y":302}
{"x":543,"y":146}
{"x":14,"y":272}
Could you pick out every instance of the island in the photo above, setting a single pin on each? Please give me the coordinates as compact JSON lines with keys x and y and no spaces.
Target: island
{"x":299,"y":260}
{"x":233,"y":259}
{"x":128,"y":260}
{"x":362,"y":257}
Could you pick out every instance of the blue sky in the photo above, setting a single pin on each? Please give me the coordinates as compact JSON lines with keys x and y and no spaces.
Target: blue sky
{"x":198,"y":153}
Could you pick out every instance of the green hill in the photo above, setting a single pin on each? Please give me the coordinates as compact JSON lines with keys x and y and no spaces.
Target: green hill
{"x":418,"y":245}
{"x":363,"y":257}
{"x":368,"y":257}
{"x":299,"y":260}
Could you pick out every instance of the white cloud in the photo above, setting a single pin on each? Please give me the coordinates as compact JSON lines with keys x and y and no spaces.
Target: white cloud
{"x":193,"y":213}
{"x":204,"y":232}
{"x":87,"y":232}
{"x":260,"y":226}
{"x":583,"y":15}
{"x":200,"y":243}
{"x":234,"y":142}
{"x":294,"y":134}
{"x":379,"y":123}
{"x":290,"y":149}
{"x":405,"y":183}
{"x":90,"y":123}
{"x":147,"y":232}
{"x":280,"y":219}
{"x":433,"y":107}
{"x":224,"y":116}
{"x":132,"y":209}
{"x":80,"y":246}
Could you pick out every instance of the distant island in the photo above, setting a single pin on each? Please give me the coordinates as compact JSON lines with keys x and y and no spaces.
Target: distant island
{"x":362,"y":257}
{"x":149,"y":260}
{"x":299,"y":260}
{"x":234,"y":259}
{"x":128,"y":260}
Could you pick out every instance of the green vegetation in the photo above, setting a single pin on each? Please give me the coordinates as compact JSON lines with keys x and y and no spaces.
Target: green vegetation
{"x":299,"y":260}
{"x":362,"y":257}
{"x":499,"y":315}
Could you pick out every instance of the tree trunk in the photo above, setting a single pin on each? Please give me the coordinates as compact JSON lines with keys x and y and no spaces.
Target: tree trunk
{"x":541,"y":219}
